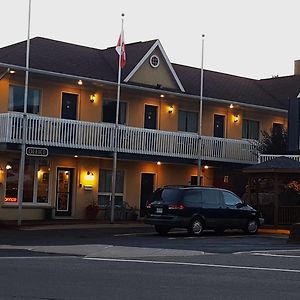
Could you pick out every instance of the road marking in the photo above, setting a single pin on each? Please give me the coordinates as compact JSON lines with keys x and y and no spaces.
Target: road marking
{"x":39,"y":257}
{"x":261,"y":252}
{"x":193,"y":264}
{"x":275,"y":255}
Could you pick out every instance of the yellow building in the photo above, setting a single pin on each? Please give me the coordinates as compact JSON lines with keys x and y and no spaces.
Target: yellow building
{"x":71,"y":133}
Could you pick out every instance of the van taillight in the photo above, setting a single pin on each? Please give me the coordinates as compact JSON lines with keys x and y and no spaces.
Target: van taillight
{"x":176,"y":206}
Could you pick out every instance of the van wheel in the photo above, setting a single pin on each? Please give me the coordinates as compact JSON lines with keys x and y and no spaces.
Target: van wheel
{"x":251,"y":227}
{"x":196,"y":227}
{"x":162,"y":230}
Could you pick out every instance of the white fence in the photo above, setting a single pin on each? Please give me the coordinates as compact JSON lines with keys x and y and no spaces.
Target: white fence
{"x":44,"y":131}
{"x":266,"y":157}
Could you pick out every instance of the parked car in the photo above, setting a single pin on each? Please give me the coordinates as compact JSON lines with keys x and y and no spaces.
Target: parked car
{"x":197,"y":208}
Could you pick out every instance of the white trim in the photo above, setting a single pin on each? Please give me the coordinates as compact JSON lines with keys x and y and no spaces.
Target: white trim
{"x":146,"y":56}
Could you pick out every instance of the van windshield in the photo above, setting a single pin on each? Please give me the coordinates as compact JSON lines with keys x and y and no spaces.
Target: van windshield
{"x":166,"y":195}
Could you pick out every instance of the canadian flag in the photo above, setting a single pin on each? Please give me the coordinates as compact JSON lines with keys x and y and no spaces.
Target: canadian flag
{"x":120,"y":48}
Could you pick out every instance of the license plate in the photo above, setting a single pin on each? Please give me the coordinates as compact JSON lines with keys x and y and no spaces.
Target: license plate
{"x":159,"y":210}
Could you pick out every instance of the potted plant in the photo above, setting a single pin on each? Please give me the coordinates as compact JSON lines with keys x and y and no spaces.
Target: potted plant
{"x":92,"y":211}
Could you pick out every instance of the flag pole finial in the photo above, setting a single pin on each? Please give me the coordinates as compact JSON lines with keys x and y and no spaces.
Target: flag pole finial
{"x":123,"y":15}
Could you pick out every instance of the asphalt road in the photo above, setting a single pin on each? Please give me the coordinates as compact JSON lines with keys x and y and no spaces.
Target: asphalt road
{"x":135,"y":263}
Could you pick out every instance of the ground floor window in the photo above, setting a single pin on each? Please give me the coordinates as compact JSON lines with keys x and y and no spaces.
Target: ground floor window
{"x":36,"y":181}
{"x":104,"y":188}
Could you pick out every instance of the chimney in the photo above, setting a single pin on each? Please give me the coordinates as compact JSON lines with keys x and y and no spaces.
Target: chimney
{"x":297,"y":67}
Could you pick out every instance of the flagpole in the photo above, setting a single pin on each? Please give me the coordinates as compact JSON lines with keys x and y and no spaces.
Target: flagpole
{"x":115,"y":154}
{"x":24,"y":133}
{"x":200,"y":116}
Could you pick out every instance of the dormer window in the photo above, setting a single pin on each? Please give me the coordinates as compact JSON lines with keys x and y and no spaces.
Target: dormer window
{"x":154,"y":61}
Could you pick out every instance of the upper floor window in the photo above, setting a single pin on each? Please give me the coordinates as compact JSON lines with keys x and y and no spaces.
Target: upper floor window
{"x":188,"y":121}
{"x":277,"y":129}
{"x":109,"y":111}
{"x":16,"y":99}
{"x":250,"y":129}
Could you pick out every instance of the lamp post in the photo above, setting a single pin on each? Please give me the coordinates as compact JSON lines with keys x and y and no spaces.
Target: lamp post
{"x":24,"y":132}
{"x":200,"y":116}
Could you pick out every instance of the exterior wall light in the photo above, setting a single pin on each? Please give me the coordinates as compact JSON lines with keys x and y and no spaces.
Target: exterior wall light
{"x":89,"y":176}
{"x":236,"y":118}
{"x":8,"y":167}
{"x":158,"y":163}
{"x":206,"y":167}
{"x":171,"y":108}
{"x":162,"y":96}
{"x":92,"y":98}
{"x":231,"y":106}
{"x":80,"y":82}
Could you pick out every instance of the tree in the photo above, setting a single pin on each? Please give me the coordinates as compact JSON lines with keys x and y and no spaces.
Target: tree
{"x":274,"y":142}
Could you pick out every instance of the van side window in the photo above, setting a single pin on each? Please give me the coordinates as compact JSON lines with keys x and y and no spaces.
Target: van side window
{"x":230,"y":199}
{"x":211,"y":198}
{"x":192,"y":198}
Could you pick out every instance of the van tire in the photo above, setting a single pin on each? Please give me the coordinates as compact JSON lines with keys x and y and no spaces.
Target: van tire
{"x":196,"y":227}
{"x":251,"y":227}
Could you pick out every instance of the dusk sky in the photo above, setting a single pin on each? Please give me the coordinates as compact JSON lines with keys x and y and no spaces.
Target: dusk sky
{"x":256,"y":39}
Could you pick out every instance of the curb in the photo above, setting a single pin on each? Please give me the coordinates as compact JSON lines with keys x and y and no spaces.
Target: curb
{"x":274,"y":231}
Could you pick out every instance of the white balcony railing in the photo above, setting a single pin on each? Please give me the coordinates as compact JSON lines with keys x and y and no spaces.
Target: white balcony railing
{"x":266,"y":157}
{"x":54,"y":132}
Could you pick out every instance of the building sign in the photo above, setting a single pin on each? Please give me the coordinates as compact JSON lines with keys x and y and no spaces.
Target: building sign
{"x":35,"y":151}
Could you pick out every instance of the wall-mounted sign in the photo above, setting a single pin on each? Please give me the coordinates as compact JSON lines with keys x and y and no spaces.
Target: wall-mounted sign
{"x":35,"y":151}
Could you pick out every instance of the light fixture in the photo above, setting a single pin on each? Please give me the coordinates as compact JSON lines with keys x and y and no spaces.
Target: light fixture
{"x":171,"y":108}
{"x":89,"y":176}
{"x":92,"y":98}
{"x":158,"y":163}
{"x":162,"y":96}
{"x":231,"y":106}
{"x":236,"y":118}
{"x":12,"y":71}
{"x":206,"y":167}
{"x":79,"y":82}
{"x":8,"y":167}
{"x":75,"y":156}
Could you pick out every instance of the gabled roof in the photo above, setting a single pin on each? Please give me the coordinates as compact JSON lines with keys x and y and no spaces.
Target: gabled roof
{"x":157,"y":44}
{"x":71,"y":59}
{"x":280,"y":164}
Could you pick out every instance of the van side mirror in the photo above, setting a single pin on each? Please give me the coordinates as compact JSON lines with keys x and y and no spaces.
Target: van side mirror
{"x":240,"y":205}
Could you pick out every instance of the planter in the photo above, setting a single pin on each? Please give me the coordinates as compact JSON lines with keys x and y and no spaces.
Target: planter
{"x":92,"y":212}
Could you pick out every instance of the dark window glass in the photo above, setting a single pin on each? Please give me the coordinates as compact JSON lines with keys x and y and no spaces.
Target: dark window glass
{"x":16,"y":99}
{"x":166,"y":195}
{"x":193,"y":198}
{"x":104,"y":188}
{"x":250,"y":129}
{"x":109,"y":111}
{"x":230,"y":199}
{"x":188,"y":121}
{"x":211,"y":198}
{"x":277,"y":129}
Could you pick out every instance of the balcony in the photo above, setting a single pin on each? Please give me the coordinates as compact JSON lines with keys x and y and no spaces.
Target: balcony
{"x":54,"y":132}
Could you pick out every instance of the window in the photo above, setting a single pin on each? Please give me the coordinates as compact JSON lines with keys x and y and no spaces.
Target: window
{"x":154,"y":61}
{"x":193,"y":198}
{"x":188,"y":121}
{"x":104,"y":187}
{"x":36,"y":182}
{"x":16,"y":99}
{"x":277,"y":129}
{"x":211,"y":198}
{"x":109,"y":111}
{"x":230,"y":199}
{"x":250,"y":129}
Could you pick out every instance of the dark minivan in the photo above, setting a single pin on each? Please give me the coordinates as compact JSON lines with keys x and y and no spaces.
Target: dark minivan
{"x":197,"y":208}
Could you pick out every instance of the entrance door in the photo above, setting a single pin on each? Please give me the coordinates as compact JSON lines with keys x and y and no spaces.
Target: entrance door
{"x":219,"y":126}
{"x":69,"y":106}
{"x":150,"y":120}
{"x":147,"y":186}
{"x":64,"y":191}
